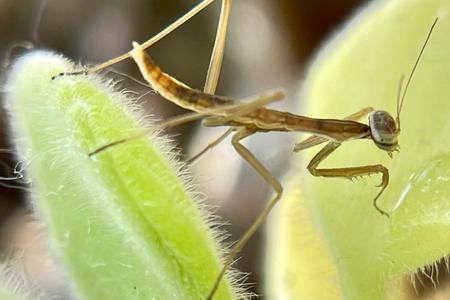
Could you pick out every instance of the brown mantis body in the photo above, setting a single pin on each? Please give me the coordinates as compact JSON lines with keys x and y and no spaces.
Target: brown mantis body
{"x":250,"y":118}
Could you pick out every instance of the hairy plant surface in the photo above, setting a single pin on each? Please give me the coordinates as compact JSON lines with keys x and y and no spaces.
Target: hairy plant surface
{"x":122,"y":223}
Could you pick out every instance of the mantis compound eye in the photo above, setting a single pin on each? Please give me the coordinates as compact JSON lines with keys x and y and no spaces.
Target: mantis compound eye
{"x":384,"y":131}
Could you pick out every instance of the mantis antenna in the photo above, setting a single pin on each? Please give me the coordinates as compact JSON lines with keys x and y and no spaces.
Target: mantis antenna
{"x":401,"y":99}
{"x":399,"y":96}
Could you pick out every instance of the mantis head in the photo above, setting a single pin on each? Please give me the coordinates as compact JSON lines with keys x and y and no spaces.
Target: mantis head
{"x":384,"y":130}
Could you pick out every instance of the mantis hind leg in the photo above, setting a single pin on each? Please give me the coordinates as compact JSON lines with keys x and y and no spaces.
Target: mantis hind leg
{"x":216,"y":58}
{"x":315,"y":140}
{"x":234,"y":110}
{"x":271,"y":180}
{"x":349,"y":173}
{"x":215,"y":64}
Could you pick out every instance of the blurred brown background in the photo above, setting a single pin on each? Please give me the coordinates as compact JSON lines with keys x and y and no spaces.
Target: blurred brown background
{"x":268,"y":44}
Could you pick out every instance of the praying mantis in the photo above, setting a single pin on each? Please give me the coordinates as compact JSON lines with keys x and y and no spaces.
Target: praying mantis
{"x":250,"y":118}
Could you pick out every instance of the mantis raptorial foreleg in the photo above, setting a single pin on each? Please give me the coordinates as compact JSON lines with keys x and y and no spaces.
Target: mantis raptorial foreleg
{"x":271,"y":180}
{"x":349,"y":173}
{"x":315,"y":140}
